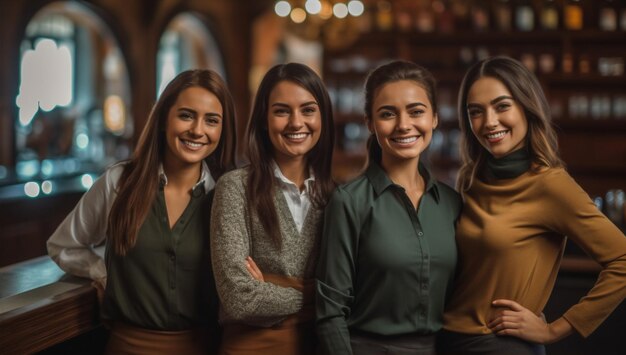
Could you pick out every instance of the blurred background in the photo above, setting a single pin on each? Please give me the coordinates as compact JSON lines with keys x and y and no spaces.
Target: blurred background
{"x":79,"y":78}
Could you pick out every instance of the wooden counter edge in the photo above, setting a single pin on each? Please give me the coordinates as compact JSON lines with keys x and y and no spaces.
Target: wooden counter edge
{"x":50,"y":321}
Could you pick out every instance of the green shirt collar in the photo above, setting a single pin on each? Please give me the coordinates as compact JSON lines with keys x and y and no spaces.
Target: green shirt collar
{"x":381,"y":181}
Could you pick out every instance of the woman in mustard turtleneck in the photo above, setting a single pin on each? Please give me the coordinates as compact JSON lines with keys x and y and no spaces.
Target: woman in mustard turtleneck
{"x":519,"y":206}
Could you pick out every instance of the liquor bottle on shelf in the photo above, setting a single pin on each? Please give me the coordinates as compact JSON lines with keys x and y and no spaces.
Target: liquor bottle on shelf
{"x":502,"y":14}
{"x":480,"y":16}
{"x":524,"y":16}
{"x":403,"y":15}
{"x":607,"y":15}
{"x":424,"y":17}
{"x":573,"y":15}
{"x":549,"y":15}
{"x":445,"y":18}
{"x":384,"y":16}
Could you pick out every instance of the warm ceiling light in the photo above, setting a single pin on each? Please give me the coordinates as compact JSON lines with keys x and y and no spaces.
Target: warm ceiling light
{"x":340,"y":10}
{"x":282,"y":8}
{"x":356,"y":8}
{"x":327,"y":10}
{"x":313,"y":6}
{"x":298,"y":15}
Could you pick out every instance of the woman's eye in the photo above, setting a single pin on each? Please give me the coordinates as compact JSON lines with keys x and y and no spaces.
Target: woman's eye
{"x":473,"y":113}
{"x":212,"y":121}
{"x":416,"y":113}
{"x":503,"y":107}
{"x":386,"y":114}
{"x":280,"y":112}
{"x":309,"y":110}
{"x":185,"y":115}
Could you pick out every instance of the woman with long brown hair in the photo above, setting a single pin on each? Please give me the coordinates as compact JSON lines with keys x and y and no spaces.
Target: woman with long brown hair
{"x":388,"y":250}
{"x":519,"y":206}
{"x":267,"y":216}
{"x":158,"y":292}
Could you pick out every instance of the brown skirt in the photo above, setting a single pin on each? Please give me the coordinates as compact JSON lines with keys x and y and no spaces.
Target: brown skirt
{"x":127,"y":339}
{"x":293,"y":336}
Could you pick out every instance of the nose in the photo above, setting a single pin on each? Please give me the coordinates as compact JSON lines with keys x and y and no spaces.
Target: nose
{"x":296,"y":121}
{"x":491,"y":119}
{"x":196,"y":127}
{"x":404,"y":122}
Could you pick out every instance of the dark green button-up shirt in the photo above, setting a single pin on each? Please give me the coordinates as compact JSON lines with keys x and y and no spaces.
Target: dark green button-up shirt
{"x":165,"y":281}
{"x":385,"y":268}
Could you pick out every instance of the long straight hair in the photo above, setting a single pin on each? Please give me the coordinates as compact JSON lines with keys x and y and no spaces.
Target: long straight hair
{"x":260,"y":152}
{"x":139,"y":181}
{"x":391,"y":72}
{"x":541,"y":139}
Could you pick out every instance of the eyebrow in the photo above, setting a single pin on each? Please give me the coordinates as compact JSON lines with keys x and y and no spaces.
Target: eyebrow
{"x":393,"y":108}
{"x":492,"y":102}
{"x":209,"y":114}
{"x":308,"y":103}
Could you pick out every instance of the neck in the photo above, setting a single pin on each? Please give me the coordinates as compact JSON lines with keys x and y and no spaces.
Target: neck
{"x":294,"y":170}
{"x":403,"y":172}
{"x":179,"y":175}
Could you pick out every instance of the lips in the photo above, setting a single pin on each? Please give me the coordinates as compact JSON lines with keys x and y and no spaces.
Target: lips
{"x":296,"y":136}
{"x":496,"y":136}
{"x":192,"y":145}
{"x":405,"y":140}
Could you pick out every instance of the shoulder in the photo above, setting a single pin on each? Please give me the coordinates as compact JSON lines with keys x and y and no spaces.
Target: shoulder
{"x":447,"y":193}
{"x":352,"y":195}
{"x":555,"y":181}
{"x":233,"y":177}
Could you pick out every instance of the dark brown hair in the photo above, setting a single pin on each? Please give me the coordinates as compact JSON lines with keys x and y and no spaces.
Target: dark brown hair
{"x":139,"y":181}
{"x":395,"y":71}
{"x":525,"y":88}
{"x":260,"y":152}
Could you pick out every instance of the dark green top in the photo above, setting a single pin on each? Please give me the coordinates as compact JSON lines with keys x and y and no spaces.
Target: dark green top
{"x":385,"y":268}
{"x":165,"y":281}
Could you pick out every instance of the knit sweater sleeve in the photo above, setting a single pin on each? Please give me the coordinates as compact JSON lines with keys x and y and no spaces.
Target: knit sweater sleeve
{"x":573,"y":214}
{"x":243,"y":299}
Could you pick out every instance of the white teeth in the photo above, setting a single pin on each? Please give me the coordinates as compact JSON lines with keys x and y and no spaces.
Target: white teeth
{"x":496,"y":135}
{"x":405,"y":140}
{"x":295,"y":135}
{"x":192,"y":144}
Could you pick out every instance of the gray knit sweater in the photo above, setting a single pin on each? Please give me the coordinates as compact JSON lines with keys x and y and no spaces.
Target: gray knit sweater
{"x":236,"y":232}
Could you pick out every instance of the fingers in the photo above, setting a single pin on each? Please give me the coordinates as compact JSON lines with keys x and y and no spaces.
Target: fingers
{"x":506,"y":321}
{"x":508,"y":303}
{"x":253,"y":269}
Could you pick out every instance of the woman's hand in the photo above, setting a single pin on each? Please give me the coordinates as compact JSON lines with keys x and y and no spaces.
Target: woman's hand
{"x":520,"y":322}
{"x":254,"y":270}
{"x":100,"y":286}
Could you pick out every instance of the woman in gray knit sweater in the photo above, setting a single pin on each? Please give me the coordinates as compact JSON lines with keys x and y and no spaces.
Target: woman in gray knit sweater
{"x":268,"y":215}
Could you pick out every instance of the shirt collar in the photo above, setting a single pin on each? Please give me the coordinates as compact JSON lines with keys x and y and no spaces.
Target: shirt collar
{"x":206,"y":180}
{"x":282,"y":178}
{"x":381,"y":181}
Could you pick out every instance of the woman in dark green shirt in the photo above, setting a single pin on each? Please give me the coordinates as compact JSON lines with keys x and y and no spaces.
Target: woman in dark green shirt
{"x":153,"y":211}
{"x":388,"y":251}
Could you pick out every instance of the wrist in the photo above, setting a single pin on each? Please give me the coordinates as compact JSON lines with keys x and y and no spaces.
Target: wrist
{"x":558,"y":330}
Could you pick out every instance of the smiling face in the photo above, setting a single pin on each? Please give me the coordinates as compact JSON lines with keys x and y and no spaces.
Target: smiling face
{"x":402,"y":120}
{"x":294,"y":121}
{"x":497,"y":120}
{"x":193,"y":127}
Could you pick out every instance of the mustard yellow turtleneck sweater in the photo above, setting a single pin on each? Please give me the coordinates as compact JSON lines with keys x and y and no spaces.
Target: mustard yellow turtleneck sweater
{"x":511,"y":236}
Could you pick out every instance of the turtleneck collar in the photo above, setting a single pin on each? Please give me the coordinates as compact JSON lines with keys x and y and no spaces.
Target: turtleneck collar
{"x":510,"y":166}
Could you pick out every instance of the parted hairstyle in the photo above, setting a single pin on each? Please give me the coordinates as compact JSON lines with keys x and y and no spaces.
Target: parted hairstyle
{"x":541,"y":140}
{"x":139,"y":181}
{"x":260,"y":152}
{"x":391,"y":72}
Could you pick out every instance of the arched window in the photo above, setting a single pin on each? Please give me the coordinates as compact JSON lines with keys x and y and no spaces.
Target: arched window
{"x":186,"y":44}
{"x":73,"y":99}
